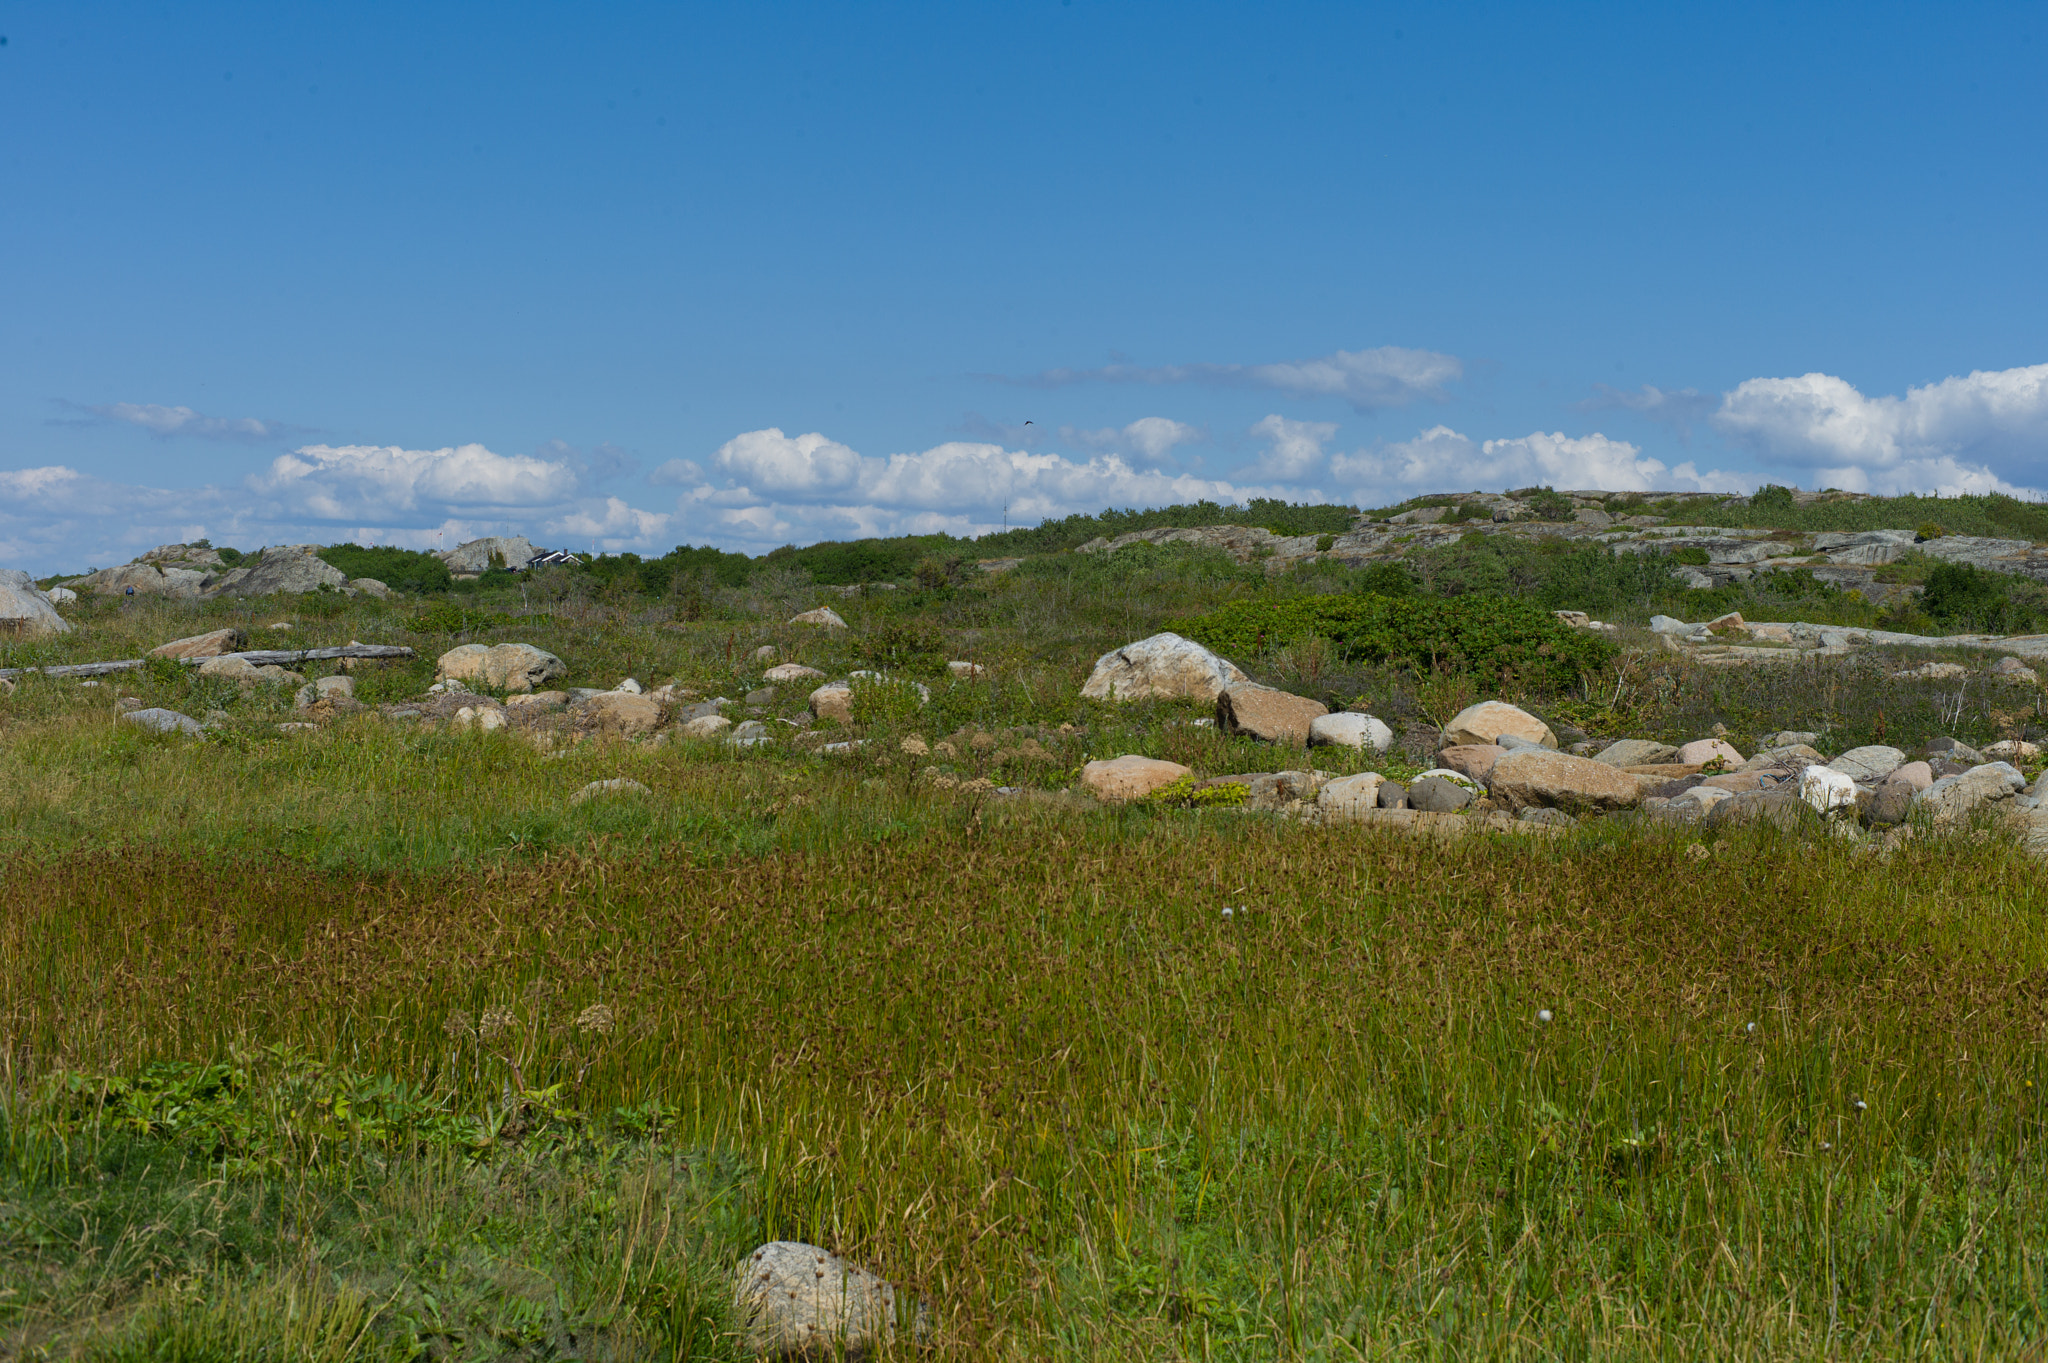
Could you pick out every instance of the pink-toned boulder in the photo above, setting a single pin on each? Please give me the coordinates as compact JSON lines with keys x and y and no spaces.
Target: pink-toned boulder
{"x":1702,"y":751}
{"x":1489,"y":719}
{"x":1129,"y":777}
{"x":1528,"y":778}
{"x":1913,"y":776}
{"x":1264,"y":712}
{"x":1473,"y":759}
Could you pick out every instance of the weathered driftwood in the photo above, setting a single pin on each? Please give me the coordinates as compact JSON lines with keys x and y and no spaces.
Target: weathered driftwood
{"x":258,"y":657}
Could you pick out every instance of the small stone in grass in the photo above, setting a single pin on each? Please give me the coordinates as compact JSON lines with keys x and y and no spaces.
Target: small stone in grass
{"x":618,"y":785}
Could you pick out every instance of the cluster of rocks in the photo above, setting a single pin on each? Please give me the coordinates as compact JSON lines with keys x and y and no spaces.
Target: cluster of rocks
{"x":196,"y":572}
{"x":1496,"y":759}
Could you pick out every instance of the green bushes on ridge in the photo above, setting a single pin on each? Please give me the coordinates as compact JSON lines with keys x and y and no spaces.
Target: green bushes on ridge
{"x":405,"y":570}
{"x":1487,"y":636}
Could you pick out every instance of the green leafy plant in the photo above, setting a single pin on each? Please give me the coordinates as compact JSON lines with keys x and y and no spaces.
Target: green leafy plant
{"x":1772,"y":497}
{"x":1184,"y":793}
{"x":1690,"y":554}
{"x":1928,"y":530}
{"x":1484,"y":635}
{"x":403,"y":570}
{"x":1550,"y":505}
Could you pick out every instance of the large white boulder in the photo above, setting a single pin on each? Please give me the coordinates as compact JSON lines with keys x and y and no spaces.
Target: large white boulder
{"x":1347,"y":798}
{"x":292,"y":568}
{"x":509,"y":667}
{"x":1163,"y":667}
{"x":1827,"y":789}
{"x":24,"y":610}
{"x":1349,"y":729}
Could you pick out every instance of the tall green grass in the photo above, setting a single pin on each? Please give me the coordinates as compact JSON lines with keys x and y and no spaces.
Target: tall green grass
{"x":1786,"y":1102}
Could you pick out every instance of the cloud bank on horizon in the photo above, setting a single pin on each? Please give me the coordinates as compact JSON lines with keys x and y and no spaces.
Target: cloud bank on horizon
{"x":1977,"y":433}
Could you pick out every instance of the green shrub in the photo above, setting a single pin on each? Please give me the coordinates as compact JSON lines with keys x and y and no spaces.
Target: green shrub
{"x":1388,"y":577}
{"x":1928,"y":530}
{"x":904,"y":642}
{"x":1771,"y":497}
{"x":1690,"y":554}
{"x":404,"y":570}
{"x":1550,"y":505}
{"x":879,"y":701}
{"x":1959,"y":596}
{"x":1481,"y":635}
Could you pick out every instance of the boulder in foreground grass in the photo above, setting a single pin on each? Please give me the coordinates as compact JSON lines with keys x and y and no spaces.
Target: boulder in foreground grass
{"x":618,"y":785}
{"x":1267,"y":713}
{"x":1530,"y":778}
{"x":622,"y":713}
{"x":507,"y":667}
{"x":1162,"y":667}
{"x":163,"y":722}
{"x":1953,"y":799}
{"x":1349,"y":729}
{"x":1489,"y":719}
{"x":789,"y":672}
{"x":209,"y":645}
{"x":24,"y":611}
{"x":1129,"y":777}
{"x":1347,"y":797}
{"x":824,"y":617}
{"x":794,"y":1300}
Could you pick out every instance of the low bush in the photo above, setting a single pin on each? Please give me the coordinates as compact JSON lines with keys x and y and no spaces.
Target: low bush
{"x":1483,"y":635}
{"x":404,"y":570}
{"x":452,"y":617}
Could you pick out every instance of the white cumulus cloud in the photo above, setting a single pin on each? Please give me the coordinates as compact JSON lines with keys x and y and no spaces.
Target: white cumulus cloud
{"x":1294,"y":449}
{"x":1151,"y":438}
{"x":1975,"y":433}
{"x":354,"y":482}
{"x":1386,"y":376}
{"x":1443,"y":460}
{"x":777,"y":487}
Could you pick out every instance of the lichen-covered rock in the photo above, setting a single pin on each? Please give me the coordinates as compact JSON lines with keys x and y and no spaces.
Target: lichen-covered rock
{"x":794,"y":1300}
{"x":790,"y":672}
{"x":833,"y":701}
{"x":706,"y":727}
{"x":617,"y":785}
{"x":160,"y":721}
{"x":1489,"y":719}
{"x":1162,"y":667}
{"x":824,"y":617}
{"x":506,"y":667}
{"x":1129,"y":777}
{"x":289,"y":568}
{"x":1530,"y":777}
{"x":493,"y":551}
{"x":1264,"y":712}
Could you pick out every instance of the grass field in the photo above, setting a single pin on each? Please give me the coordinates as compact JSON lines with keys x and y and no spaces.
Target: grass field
{"x":369,"y":1044}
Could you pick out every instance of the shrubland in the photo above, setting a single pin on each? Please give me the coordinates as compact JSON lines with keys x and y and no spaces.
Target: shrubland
{"x":371,"y":1042}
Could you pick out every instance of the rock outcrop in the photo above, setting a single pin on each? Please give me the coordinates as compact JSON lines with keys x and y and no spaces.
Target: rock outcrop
{"x":1266,"y":713}
{"x":281,"y":568}
{"x":24,"y":611}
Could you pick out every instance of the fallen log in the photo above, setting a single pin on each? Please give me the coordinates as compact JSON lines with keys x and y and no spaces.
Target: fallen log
{"x":258,"y":657}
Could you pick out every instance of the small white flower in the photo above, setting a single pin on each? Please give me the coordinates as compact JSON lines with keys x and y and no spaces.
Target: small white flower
{"x":1859,"y":1105}
{"x":1543,"y":1015}
{"x":1227,"y":911}
{"x":1751,"y":1029}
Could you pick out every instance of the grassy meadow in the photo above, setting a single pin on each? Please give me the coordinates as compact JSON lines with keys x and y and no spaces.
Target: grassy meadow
{"x":369,"y":1044}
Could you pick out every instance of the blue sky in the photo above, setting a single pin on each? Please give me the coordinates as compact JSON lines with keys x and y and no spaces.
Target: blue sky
{"x":632,"y":276}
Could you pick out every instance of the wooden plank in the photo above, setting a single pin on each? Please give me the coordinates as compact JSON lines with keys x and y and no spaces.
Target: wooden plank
{"x":262,"y":657}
